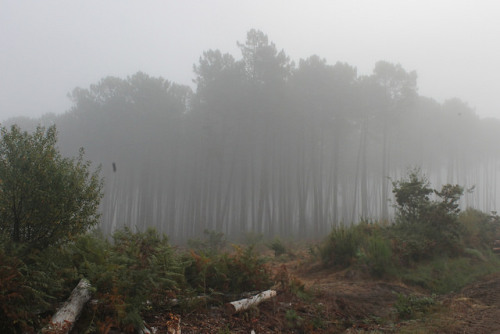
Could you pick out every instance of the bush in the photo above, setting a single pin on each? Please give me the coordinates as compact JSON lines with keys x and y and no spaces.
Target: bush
{"x":240,"y":271}
{"x":366,"y":243}
{"x":426,"y":227}
{"x":481,"y":229}
{"x":131,"y":274}
{"x":134,"y":272}
{"x":44,"y":198}
{"x":212,"y":242}
{"x":278,"y":247}
{"x":31,"y":285}
{"x":377,"y":254}
{"x":342,"y":246}
{"x":409,"y":247}
{"x":16,"y":303}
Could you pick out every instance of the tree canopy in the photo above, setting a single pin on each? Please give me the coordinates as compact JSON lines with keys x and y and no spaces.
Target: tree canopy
{"x":264,"y":145}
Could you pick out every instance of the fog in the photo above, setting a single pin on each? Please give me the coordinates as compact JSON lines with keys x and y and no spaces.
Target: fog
{"x":201,"y":119}
{"x":51,"y":47}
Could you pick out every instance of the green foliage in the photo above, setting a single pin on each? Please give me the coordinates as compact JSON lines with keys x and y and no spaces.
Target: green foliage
{"x":45,"y":201}
{"x":410,"y":306}
{"x":481,"y":229}
{"x":377,"y":254}
{"x":253,"y":239}
{"x":15,"y":295}
{"x":293,"y":320}
{"x":475,"y":254}
{"x":443,"y":274}
{"x":412,"y":197}
{"x":278,"y":247}
{"x":410,"y":248}
{"x":130,"y":274}
{"x":342,"y":246}
{"x":240,"y":271}
{"x":213,"y":242}
{"x":31,"y":284}
{"x":365,"y":243}
{"x":426,"y":227}
{"x":44,"y":198}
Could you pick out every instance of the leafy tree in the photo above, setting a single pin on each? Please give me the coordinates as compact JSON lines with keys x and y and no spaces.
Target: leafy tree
{"x":412,"y":197}
{"x":264,"y":64}
{"x":44,"y":197}
{"x":427,"y":227}
{"x":265,"y":146}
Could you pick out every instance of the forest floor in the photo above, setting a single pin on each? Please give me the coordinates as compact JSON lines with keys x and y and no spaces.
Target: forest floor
{"x":313,"y":299}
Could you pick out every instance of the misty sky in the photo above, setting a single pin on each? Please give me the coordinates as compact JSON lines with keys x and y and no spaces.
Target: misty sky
{"x":50,"y":47}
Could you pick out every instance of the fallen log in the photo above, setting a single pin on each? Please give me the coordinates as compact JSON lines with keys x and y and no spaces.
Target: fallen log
{"x":245,"y":304}
{"x":62,"y":322}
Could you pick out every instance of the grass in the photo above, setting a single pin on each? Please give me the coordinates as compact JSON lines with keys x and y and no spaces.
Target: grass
{"x":444,"y":275}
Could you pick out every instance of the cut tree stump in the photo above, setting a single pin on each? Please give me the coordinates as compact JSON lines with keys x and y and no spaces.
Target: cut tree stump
{"x":64,"y":319}
{"x":245,"y":304}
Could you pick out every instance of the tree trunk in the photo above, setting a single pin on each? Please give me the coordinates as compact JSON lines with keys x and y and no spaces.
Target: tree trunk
{"x":245,"y":304}
{"x":64,"y":319}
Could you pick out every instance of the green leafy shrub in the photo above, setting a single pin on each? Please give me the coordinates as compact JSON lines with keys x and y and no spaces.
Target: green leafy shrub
{"x":278,"y":247}
{"x":481,"y":229}
{"x":293,"y":320}
{"x":377,"y":254}
{"x":342,"y":245}
{"x":240,"y":271}
{"x":134,"y":272}
{"x":253,"y":239}
{"x":212,"y":242}
{"x":31,"y":285}
{"x":426,"y":227}
{"x":409,"y":247}
{"x":44,"y":198}
{"x":248,"y":271}
{"x":16,"y":313}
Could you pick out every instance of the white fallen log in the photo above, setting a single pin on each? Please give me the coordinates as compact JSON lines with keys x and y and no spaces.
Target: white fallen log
{"x":245,"y":304}
{"x":62,"y":322}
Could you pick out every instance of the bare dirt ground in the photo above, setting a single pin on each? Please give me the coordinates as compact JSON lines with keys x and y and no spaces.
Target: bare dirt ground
{"x":476,"y":309}
{"x":316,"y":300}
